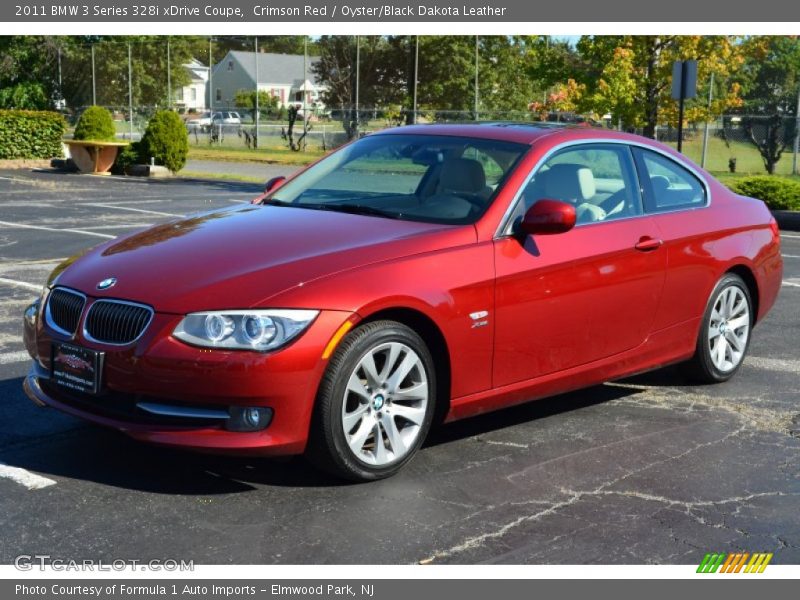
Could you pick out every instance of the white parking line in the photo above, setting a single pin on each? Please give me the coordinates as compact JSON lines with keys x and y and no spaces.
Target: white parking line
{"x":9,"y":358}
{"x":790,"y":256}
{"x":43,"y":228}
{"x":22,"y":284}
{"x":25,"y":478}
{"x":789,"y":235}
{"x":138,"y":210}
{"x":790,"y":284}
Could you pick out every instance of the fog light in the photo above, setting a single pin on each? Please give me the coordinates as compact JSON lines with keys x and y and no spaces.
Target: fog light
{"x":248,"y":418}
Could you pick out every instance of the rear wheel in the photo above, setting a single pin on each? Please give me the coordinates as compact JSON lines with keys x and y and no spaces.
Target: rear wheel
{"x":725,"y":332}
{"x":375,"y":403}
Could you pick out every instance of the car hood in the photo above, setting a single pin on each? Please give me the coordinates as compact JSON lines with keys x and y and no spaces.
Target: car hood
{"x":240,"y":257}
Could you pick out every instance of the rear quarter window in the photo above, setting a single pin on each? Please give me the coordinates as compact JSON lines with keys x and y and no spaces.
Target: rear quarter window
{"x":667,"y":185}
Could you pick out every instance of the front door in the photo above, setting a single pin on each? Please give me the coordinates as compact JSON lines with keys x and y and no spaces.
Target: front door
{"x":570,"y":299}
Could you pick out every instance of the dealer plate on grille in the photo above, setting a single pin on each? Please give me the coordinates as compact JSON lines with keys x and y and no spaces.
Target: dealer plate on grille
{"x":78,"y":369}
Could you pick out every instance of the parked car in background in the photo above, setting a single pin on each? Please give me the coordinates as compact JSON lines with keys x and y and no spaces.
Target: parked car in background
{"x":420,"y":274}
{"x":206,"y":120}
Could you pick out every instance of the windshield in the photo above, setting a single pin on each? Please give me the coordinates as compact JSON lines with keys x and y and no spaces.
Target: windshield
{"x":430,"y":178}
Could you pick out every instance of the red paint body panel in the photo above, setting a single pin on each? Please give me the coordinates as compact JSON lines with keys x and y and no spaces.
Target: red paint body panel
{"x":578,"y":297}
{"x":564,"y":311}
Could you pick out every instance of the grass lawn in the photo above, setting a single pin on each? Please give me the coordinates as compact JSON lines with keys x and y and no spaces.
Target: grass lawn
{"x":748,"y":159}
{"x":221,"y":176}
{"x":279,"y":156}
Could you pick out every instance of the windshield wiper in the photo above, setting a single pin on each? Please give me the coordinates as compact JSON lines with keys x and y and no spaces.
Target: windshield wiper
{"x":361,"y":209}
{"x":355,"y":209}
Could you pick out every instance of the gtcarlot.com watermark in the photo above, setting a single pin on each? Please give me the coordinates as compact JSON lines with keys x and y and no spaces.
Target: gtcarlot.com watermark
{"x":42,"y":562}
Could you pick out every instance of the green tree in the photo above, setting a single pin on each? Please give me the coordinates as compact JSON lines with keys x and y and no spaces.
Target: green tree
{"x":165,"y":141}
{"x":377,"y":80}
{"x":645,"y":75}
{"x":771,"y":83}
{"x":28,"y":72}
{"x":246,"y":99}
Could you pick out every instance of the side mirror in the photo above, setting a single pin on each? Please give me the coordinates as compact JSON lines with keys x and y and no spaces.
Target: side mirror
{"x":548,"y":217}
{"x":273,"y":183}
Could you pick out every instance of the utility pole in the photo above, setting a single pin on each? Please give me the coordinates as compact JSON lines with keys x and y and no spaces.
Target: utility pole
{"x":305,"y":91}
{"x":169,"y":78}
{"x":210,"y":80}
{"x":796,"y":135}
{"x":705,"y":132}
{"x":476,"y":77}
{"x":255,"y":139}
{"x":60,"y":86}
{"x":358,"y":71}
{"x":416,"y":77}
{"x":130,"y":93}
{"x":94,"y":87}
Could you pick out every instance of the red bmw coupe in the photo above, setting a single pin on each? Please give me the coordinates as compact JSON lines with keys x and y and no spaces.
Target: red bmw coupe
{"x":419,"y":274}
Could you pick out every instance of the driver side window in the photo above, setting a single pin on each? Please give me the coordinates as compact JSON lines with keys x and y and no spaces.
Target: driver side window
{"x":598,"y":179}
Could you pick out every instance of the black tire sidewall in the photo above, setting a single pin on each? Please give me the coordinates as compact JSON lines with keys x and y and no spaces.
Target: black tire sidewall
{"x":332,"y":394}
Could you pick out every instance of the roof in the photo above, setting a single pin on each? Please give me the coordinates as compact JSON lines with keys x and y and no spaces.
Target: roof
{"x":272,"y":68}
{"x":520,"y":132}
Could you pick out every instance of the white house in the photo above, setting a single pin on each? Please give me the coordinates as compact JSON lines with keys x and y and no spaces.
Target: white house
{"x":280,"y":75}
{"x":192,"y":97}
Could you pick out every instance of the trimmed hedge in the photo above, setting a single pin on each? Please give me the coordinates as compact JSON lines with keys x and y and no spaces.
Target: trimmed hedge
{"x":166,"y":140}
{"x":96,"y":124}
{"x":31,"y":134}
{"x":127,"y":157}
{"x":777,"y":193}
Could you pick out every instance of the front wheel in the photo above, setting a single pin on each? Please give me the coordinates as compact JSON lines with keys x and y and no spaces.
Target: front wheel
{"x":724,"y":333}
{"x":375,"y":404}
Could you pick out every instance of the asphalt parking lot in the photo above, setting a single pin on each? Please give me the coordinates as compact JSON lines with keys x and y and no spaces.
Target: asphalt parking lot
{"x":646,"y":470}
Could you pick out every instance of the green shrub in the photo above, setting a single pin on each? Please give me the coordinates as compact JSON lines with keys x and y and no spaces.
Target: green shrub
{"x":31,"y":134}
{"x":97,"y":124}
{"x":165,"y":140}
{"x":776,"y":192}
{"x":128,"y":155}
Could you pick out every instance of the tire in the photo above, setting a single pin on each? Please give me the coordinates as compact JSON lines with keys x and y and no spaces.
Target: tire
{"x":375,"y":403}
{"x":723,"y":323}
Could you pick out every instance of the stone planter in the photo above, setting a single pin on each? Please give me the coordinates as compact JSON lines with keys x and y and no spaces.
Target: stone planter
{"x":92,"y":156}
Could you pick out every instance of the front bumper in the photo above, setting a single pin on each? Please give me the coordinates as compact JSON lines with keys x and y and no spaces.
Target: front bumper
{"x":195,"y":385}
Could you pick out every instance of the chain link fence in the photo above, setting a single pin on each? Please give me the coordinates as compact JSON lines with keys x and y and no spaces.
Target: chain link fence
{"x":134,"y":78}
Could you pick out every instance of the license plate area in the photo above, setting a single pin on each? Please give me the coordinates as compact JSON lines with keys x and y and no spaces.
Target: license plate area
{"x":76,"y":368}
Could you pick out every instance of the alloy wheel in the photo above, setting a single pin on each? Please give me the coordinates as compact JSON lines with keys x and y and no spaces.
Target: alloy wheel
{"x":385,"y":403}
{"x":729,"y":328}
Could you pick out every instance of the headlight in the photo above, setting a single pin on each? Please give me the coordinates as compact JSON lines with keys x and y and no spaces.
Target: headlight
{"x":259,"y":330}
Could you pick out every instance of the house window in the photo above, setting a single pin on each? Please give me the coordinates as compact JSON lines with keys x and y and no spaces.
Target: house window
{"x":179,"y":94}
{"x":283,"y":95}
{"x":219,"y":95}
{"x":230,"y":65}
{"x":193,"y":95}
{"x":298,"y":97}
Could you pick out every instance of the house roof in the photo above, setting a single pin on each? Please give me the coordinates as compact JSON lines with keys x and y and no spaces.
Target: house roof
{"x":272,"y":68}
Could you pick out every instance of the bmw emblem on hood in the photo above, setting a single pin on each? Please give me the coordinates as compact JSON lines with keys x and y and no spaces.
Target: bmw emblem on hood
{"x":107,"y":283}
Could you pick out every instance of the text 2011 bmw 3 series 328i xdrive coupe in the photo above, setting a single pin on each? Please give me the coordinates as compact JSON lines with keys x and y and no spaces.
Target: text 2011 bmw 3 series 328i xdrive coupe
{"x":423,"y":273}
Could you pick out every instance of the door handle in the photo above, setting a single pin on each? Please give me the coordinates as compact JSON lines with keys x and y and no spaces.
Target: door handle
{"x":648,"y":244}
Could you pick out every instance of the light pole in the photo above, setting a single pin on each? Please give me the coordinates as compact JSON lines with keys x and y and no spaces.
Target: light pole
{"x":476,"y":77}
{"x":130,"y":94}
{"x":705,"y":132}
{"x":416,"y":77}
{"x":210,"y":80}
{"x":358,"y":72}
{"x":796,"y":134}
{"x":169,"y":78}
{"x":255,"y":139}
{"x":94,"y":86}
